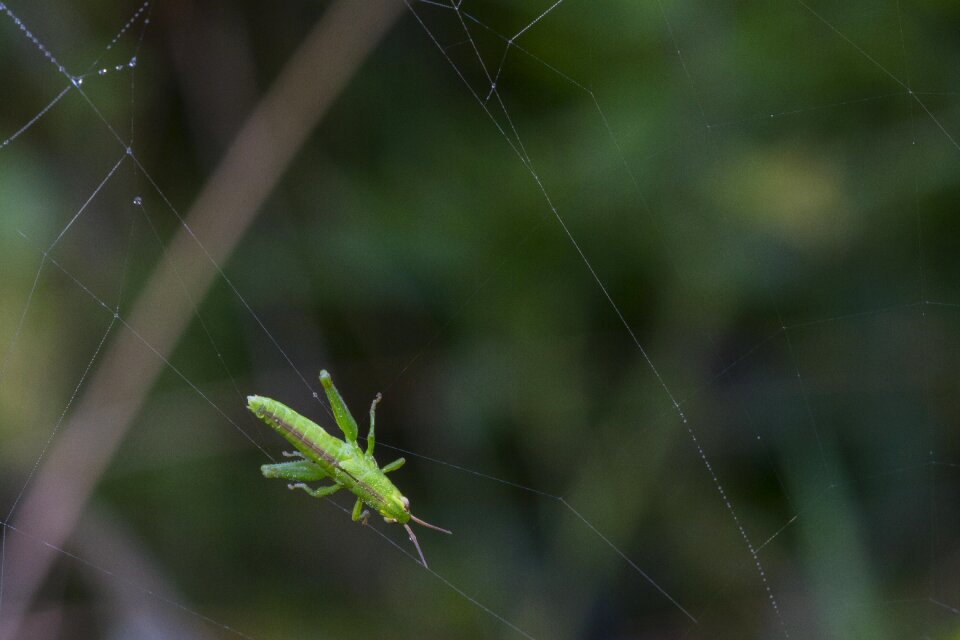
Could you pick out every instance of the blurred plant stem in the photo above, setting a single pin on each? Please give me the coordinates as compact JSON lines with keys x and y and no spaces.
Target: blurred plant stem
{"x":315,"y":75}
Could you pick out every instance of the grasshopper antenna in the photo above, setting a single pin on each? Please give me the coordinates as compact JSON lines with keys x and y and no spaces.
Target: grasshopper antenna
{"x":429,"y":526}
{"x":413,"y":539}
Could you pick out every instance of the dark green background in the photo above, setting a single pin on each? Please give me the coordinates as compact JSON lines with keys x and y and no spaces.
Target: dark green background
{"x":773,"y":214}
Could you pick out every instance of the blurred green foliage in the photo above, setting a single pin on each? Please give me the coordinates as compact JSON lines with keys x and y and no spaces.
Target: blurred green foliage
{"x":771,"y":210}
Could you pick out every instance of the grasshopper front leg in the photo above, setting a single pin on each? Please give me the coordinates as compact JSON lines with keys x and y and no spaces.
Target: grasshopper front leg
{"x":393,"y":466}
{"x":359,"y":513}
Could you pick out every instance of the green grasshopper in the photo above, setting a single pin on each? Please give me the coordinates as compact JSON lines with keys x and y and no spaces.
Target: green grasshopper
{"x":345,"y":463}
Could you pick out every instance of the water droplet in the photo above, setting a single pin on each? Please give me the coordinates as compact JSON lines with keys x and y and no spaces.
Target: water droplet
{"x":133,"y":62}
{"x":138,"y":201}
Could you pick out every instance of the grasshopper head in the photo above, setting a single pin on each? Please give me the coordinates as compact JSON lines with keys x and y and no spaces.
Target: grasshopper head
{"x":404,"y":517}
{"x":398,"y":509}
{"x":401,"y":514}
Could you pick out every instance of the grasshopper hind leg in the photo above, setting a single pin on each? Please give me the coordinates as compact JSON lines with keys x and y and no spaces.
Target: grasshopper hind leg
{"x":296,"y":470}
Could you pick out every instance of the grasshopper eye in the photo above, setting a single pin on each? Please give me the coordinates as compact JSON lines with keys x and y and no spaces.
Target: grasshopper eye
{"x":406,"y":503}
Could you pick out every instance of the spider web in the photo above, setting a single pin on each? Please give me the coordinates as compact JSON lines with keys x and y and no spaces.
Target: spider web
{"x":745,"y":430}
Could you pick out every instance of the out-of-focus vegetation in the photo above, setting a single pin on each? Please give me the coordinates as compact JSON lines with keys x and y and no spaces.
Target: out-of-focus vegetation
{"x":771,"y":210}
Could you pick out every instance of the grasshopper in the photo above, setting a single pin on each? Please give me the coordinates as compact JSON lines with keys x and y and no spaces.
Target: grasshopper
{"x":322,"y":456}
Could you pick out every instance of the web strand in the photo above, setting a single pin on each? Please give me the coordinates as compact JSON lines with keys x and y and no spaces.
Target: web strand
{"x":46,"y":253}
{"x":133,"y":584}
{"x":116,"y":317}
{"x":195,"y":389}
{"x":166,"y":362}
{"x":884,"y":70}
{"x":494,"y":103}
{"x":521,"y":153}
